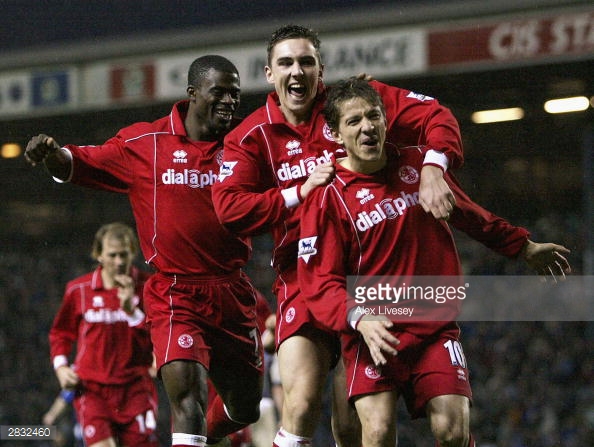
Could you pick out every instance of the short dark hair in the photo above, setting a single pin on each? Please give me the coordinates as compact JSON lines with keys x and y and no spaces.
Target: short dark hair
{"x":293,"y":32}
{"x":343,"y":91}
{"x":117,"y":231}
{"x":201,"y":66}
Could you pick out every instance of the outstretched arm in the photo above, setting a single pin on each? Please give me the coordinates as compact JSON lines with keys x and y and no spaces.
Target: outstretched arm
{"x":43,"y":148}
{"x":546,"y":258}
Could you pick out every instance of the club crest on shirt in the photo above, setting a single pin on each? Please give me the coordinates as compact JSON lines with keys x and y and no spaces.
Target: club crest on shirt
{"x":307,"y":248}
{"x":226,"y":170}
{"x":179,"y":156}
{"x":219,"y":157}
{"x":408,"y":174}
{"x":98,"y":301}
{"x":327,"y":132}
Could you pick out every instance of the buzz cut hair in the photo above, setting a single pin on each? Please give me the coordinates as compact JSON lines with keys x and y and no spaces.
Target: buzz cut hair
{"x":345,"y":90}
{"x":115,"y":230}
{"x":201,"y":66}
{"x":293,"y":32}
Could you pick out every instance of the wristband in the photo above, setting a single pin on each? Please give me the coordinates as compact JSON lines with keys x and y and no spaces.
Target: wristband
{"x":291,"y":197}
{"x":136,"y":318}
{"x":299,"y":196}
{"x":60,"y":360}
{"x":436,"y":158}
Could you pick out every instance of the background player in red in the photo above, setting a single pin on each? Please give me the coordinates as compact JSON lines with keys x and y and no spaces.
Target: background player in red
{"x":115,"y":397}
{"x":273,"y":160}
{"x":385,"y":359}
{"x":200,"y":304}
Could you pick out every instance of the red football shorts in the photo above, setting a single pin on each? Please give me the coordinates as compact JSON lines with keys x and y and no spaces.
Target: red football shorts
{"x":211,"y":321}
{"x":293,"y":316}
{"x":422,"y":370}
{"x":127,"y":412}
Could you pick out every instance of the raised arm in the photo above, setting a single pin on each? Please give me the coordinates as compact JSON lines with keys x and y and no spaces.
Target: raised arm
{"x":44,"y":149}
{"x":504,"y":238}
{"x":418,"y":120}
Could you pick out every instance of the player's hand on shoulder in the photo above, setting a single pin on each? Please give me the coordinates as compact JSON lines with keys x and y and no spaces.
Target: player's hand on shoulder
{"x":321,"y":175}
{"x":365,"y":77}
{"x":39,"y":147}
{"x":435,"y":196}
{"x":547,"y":259}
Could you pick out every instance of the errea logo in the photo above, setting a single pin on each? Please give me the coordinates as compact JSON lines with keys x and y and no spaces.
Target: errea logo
{"x":294,"y":147}
{"x":179,"y":156}
{"x":364,"y":195}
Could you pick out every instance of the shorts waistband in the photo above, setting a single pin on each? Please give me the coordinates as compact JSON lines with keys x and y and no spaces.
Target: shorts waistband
{"x":196,"y":279}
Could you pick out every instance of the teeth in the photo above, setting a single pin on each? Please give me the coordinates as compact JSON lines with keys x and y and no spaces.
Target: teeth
{"x":297,"y":88}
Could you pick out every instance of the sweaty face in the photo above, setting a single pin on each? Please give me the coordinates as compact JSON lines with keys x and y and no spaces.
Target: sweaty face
{"x":217,"y":100}
{"x":116,"y":256}
{"x":295,"y":71}
{"x":362,"y":132}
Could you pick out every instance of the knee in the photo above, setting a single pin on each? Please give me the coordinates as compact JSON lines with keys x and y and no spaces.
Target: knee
{"x":245,"y":414}
{"x":346,"y":429}
{"x":449,"y":416}
{"x":186,"y":407}
{"x":449,"y":433}
{"x":300,"y":409}
{"x":377,"y":432}
{"x":347,"y":435}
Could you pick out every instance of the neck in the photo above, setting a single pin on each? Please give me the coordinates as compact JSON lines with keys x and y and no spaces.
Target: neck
{"x":294,"y":118}
{"x":108,"y":280}
{"x":362,"y":166}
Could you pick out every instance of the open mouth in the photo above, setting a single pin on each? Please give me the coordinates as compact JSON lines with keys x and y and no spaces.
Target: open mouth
{"x":370,"y":142}
{"x":226,"y":115}
{"x":297,"y":90}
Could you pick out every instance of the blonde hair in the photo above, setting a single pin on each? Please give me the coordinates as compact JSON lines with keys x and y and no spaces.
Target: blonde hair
{"x":116,"y":230}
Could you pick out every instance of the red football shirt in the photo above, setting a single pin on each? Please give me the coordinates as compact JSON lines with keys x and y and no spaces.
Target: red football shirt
{"x":266,"y":158}
{"x":168,"y":179}
{"x":373,"y":225}
{"x":108,"y":349}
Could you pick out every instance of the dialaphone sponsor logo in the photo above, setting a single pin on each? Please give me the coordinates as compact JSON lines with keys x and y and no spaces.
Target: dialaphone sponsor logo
{"x":386,"y":209}
{"x":191,"y":177}
{"x":303,"y":167}
{"x":108,"y":316}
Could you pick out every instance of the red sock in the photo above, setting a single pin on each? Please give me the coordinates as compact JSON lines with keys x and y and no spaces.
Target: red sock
{"x":218,"y":422}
